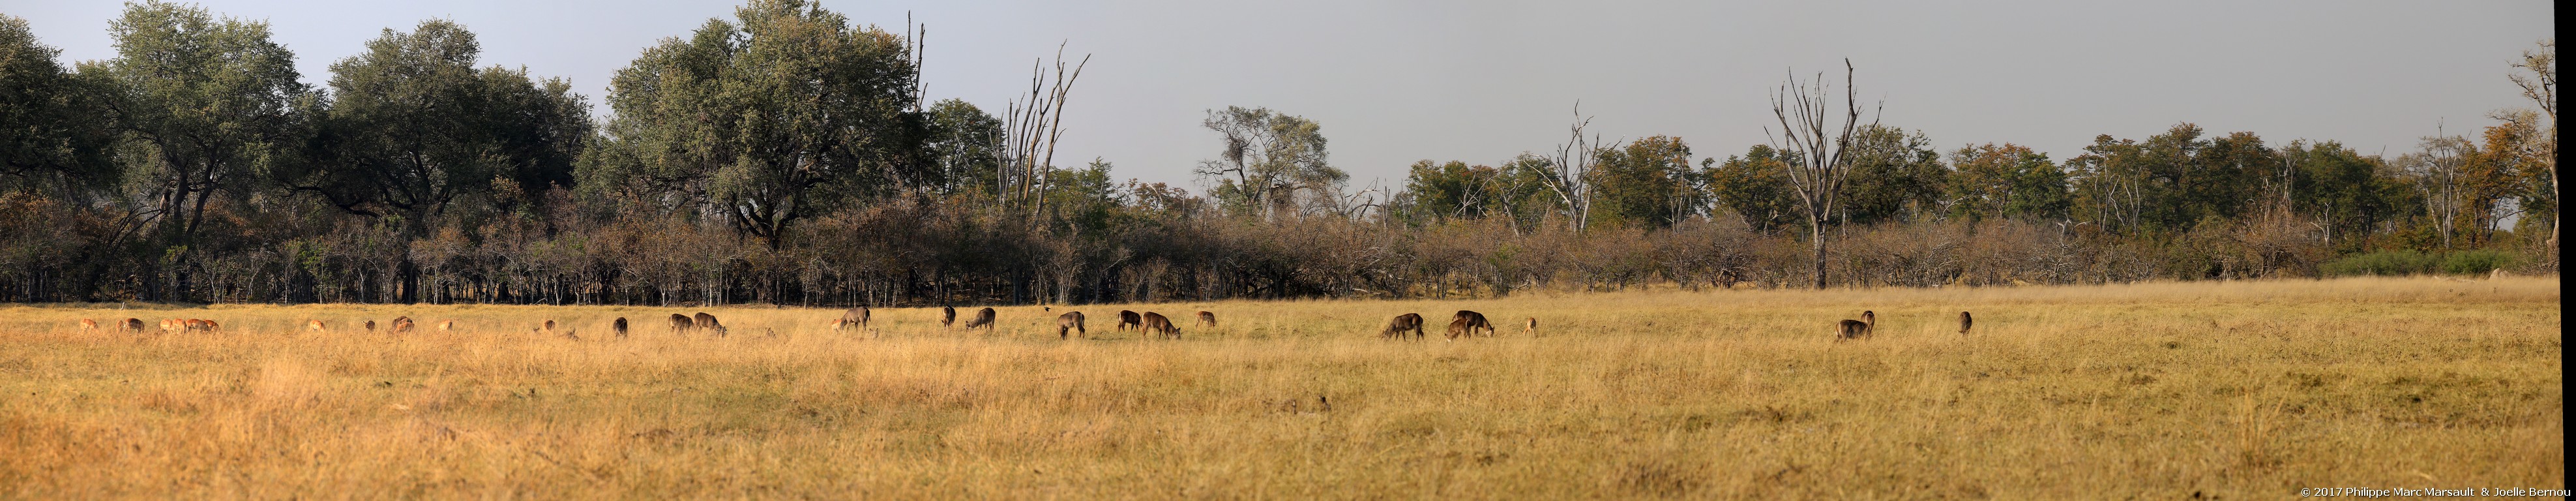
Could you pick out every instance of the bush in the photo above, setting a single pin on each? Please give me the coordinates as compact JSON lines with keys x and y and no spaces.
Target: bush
{"x":2476,"y":262}
{"x":2407,"y":262}
{"x":2404,"y":262}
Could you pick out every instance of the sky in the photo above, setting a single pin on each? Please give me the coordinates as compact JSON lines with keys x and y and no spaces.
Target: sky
{"x":1396,"y":82}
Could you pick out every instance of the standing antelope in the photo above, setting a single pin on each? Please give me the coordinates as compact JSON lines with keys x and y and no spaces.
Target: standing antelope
{"x":1856,"y":329}
{"x":983,"y":319}
{"x":89,"y":325}
{"x":707,"y":322}
{"x":855,"y":317}
{"x":1069,"y":321}
{"x":1207,"y":318}
{"x":680,"y":324}
{"x":1531,"y":329}
{"x":1129,"y":318}
{"x":173,"y":325}
{"x":619,"y":326}
{"x":371,"y":326}
{"x":1155,"y":323}
{"x":449,"y":325}
{"x":200,"y":324}
{"x":947,"y":316}
{"x":1473,"y":322}
{"x":1965,"y":322}
{"x":1406,"y":322}
{"x":134,"y":325}
{"x":402,"y":325}
{"x":316,"y":326}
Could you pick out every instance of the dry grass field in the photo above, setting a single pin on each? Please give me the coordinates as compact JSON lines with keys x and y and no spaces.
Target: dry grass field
{"x":2213,"y":390}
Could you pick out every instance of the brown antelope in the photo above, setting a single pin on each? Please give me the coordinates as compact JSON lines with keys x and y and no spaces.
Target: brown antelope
{"x":1207,"y":318}
{"x":316,"y":326}
{"x":619,"y":326}
{"x":855,"y":317}
{"x":1530,"y":329}
{"x":173,"y":325}
{"x":203,"y":325}
{"x":1070,"y":321}
{"x":1155,"y":323}
{"x":371,"y":326}
{"x":1129,"y":319}
{"x":947,"y":316}
{"x":550,"y":323}
{"x":680,"y":324}
{"x":983,"y":319}
{"x":1856,"y":329}
{"x":450,"y":325}
{"x":402,"y":325}
{"x":1406,"y":322}
{"x":707,"y":322}
{"x":1965,"y":322}
{"x":134,"y":325}
{"x":89,"y":325}
{"x":1474,"y":322}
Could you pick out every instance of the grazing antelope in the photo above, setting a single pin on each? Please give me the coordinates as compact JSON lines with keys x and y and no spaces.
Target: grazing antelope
{"x":1856,"y":329}
{"x":550,"y":323}
{"x":315,"y":326}
{"x":1474,"y":322}
{"x":947,"y":316}
{"x":1155,"y":323}
{"x":1128,"y":318}
{"x":1965,"y":322}
{"x":983,"y":318}
{"x":89,"y":325}
{"x":1069,"y":321}
{"x":855,"y":317}
{"x":1207,"y":318}
{"x":707,"y":322}
{"x":402,"y":325}
{"x":371,"y":326}
{"x":449,"y":325}
{"x":204,"y":325}
{"x":680,"y":324}
{"x":1406,"y":322}
{"x":134,"y":325}
{"x":619,"y":326}
{"x":173,"y":325}
{"x":1530,"y":329}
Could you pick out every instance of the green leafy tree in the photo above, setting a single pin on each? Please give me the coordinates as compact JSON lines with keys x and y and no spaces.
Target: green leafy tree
{"x":1647,"y":183}
{"x":1271,"y":162}
{"x":2346,"y":191}
{"x":54,"y":133}
{"x":2007,"y":180}
{"x":1900,"y":174}
{"x":205,"y":102}
{"x":786,"y":112}
{"x":1452,"y":190}
{"x":1756,"y":187}
{"x":964,"y":145}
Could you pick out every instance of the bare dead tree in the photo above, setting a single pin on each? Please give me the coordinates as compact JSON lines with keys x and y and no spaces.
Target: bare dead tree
{"x":1820,"y":172}
{"x":1570,"y":177}
{"x":1030,"y":130}
{"x":2541,"y":87}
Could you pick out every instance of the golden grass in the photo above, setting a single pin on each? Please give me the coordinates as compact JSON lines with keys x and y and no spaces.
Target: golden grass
{"x":2234,"y":390}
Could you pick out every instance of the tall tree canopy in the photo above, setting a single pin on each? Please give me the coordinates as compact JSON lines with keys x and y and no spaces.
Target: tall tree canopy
{"x":771,"y":118}
{"x":1271,"y":162}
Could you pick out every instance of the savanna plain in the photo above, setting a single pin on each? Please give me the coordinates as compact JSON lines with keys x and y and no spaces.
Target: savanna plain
{"x":2205,"y":390}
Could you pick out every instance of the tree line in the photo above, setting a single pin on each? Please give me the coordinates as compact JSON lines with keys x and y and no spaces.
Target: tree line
{"x":791,"y":156}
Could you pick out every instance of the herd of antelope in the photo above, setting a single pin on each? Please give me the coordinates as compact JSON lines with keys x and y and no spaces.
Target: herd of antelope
{"x":1464,"y":323}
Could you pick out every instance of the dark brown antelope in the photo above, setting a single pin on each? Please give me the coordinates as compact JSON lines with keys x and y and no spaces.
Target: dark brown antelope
{"x":1856,"y":329}
{"x":1474,"y":322}
{"x":680,"y":324}
{"x":947,"y":316}
{"x":1406,"y":322}
{"x":1207,"y":318}
{"x":1155,"y":323}
{"x":708,"y":323}
{"x":1128,"y":319}
{"x":134,"y":325}
{"x":1965,"y":322}
{"x":371,"y":325}
{"x":855,"y":317}
{"x":983,"y":319}
{"x":1069,"y":321}
{"x":619,"y":326}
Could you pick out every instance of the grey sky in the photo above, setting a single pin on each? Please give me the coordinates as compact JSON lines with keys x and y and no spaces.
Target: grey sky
{"x":1482,"y":81}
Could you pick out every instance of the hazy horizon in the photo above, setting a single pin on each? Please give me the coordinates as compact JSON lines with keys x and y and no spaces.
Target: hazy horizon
{"x":1392,"y":84}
